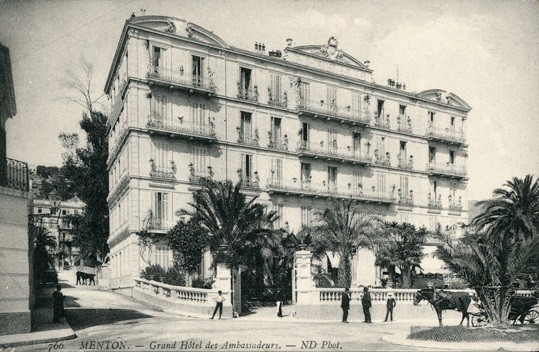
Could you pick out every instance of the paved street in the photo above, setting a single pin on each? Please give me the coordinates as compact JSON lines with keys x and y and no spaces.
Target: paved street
{"x":116,"y":321}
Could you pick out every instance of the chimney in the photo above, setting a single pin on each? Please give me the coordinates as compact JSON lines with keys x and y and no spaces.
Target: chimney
{"x":289,"y":42}
{"x":263,"y":47}
{"x":367,"y":63}
{"x":256,"y":46}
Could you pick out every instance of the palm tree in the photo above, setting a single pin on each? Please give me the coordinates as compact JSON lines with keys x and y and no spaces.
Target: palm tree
{"x":401,"y":247}
{"x":343,"y":227}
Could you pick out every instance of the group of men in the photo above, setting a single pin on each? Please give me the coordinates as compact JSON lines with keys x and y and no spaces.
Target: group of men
{"x":366,"y":304}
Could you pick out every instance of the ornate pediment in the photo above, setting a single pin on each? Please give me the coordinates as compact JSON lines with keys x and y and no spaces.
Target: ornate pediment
{"x":444,"y":97}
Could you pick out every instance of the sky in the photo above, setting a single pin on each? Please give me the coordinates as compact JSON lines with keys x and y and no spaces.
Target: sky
{"x":486,"y":52}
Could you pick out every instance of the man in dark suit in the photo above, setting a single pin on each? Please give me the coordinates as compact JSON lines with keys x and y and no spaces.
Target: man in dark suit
{"x":390,"y":304}
{"x":366,"y":303}
{"x":345,"y":304}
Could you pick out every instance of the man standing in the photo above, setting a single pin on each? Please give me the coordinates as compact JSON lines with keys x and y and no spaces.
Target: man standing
{"x":345,"y":304}
{"x":219,"y":304}
{"x":366,"y":303}
{"x":58,"y":304}
{"x":390,"y":304}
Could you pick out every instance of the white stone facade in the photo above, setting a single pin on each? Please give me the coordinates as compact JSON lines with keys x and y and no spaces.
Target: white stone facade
{"x":298,"y":129}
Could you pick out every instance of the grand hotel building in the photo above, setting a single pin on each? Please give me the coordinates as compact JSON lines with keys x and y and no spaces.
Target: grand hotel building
{"x":299,"y":127}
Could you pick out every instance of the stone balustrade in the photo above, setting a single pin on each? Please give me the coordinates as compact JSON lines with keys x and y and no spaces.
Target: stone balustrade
{"x":195,"y":296}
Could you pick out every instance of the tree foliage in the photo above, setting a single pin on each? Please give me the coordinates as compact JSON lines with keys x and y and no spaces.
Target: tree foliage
{"x":187,"y":241}
{"x":343,"y":226}
{"x":401,"y":246}
{"x":42,"y":243}
{"x":504,"y":248}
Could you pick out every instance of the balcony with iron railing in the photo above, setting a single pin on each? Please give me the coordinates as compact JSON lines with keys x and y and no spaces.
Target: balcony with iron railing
{"x":277,"y":143}
{"x":331,"y":152}
{"x":177,"y":79}
{"x":381,"y":122}
{"x":246,"y":137}
{"x":163,"y":172}
{"x":381,"y":159}
{"x":405,"y":199}
{"x":118,"y":100}
{"x":277,"y":100}
{"x":324,"y":110}
{"x":14,"y":175}
{"x":455,"y":206}
{"x":447,"y":170}
{"x":405,"y":163}
{"x":327,"y":190}
{"x":446,"y":135}
{"x":434,"y":202}
{"x":196,"y":176}
{"x":404,"y":124}
{"x":188,"y":129}
{"x":158,"y":223}
{"x":247,"y":93}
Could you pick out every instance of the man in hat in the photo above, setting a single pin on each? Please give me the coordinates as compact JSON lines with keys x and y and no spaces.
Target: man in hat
{"x":345,"y":304}
{"x":366,"y":303}
{"x":390,"y":304}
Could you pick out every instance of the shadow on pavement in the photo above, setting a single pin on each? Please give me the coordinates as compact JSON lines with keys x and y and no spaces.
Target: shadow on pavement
{"x":84,"y":318}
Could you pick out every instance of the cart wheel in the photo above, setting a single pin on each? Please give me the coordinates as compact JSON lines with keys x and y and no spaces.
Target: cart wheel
{"x":532,"y":316}
{"x":479,"y":320}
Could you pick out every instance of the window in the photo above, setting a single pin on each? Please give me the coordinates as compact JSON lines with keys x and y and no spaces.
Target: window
{"x":432,"y":154}
{"x":403,"y":150}
{"x":160,"y":209}
{"x":431,"y":117}
{"x":381,"y":141}
{"x":305,"y":172}
{"x":433,"y":223}
{"x":157,"y":58}
{"x":245,"y":125}
{"x":306,"y":215}
{"x":402,"y":110}
{"x":245,"y":80}
{"x":160,"y":108}
{"x":357,"y":180}
{"x":305,"y":91}
{"x":247,"y":166}
{"x":198,"y":66}
{"x":332,"y":178}
{"x":277,"y":168}
{"x":356,"y":102}
{"x":64,"y":212}
{"x":380,"y":109}
{"x":276,"y":129}
{"x":405,"y":218}
{"x":404,"y":186}
{"x":332,"y":138}
{"x":279,"y":223}
{"x":198,"y":114}
{"x":160,"y":154}
{"x":276,"y":87}
{"x":332,"y":97}
{"x":305,"y":134}
{"x":435,"y":189}
{"x":39,"y":210}
{"x":452,"y":157}
{"x":452,"y":123}
{"x":199,"y":159}
{"x":356,"y":142}
{"x":381,"y":183}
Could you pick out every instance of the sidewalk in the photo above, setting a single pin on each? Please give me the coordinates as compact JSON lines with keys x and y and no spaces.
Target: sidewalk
{"x":43,"y":330}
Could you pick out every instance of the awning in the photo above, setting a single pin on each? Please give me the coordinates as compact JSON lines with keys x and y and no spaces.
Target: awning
{"x":431,"y":264}
{"x":334,"y":259}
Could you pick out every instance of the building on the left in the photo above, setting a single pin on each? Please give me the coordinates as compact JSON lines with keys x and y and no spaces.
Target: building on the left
{"x":16,"y":295}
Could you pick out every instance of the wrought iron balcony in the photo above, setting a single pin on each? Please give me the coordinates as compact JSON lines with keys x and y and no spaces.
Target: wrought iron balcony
{"x":405,"y":200}
{"x":323,"y":190}
{"x":245,"y":137}
{"x":324,"y":110}
{"x":404,"y":124}
{"x":277,"y":100}
{"x":445,"y":135}
{"x":158,"y":223}
{"x":381,"y":122}
{"x":195,"y":176}
{"x":248,"y":93}
{"x":446,"y":170}
{"x":456,"y":206}
{"x":250,"y":182}
{"x":382,"y":159}
{"x":118,"y":100}
{"x":177,"y":79}
{"x":404,"y":163}
{"x":15,"y":175}
{"x":434,"y":203}
{"x":183,"y":128}
{"x":163,"y":172}
{"x":332,"y":152}
{"x":278,"y":143}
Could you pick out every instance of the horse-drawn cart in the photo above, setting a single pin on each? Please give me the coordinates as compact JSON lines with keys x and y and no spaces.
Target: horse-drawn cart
{"x":521,"y":310}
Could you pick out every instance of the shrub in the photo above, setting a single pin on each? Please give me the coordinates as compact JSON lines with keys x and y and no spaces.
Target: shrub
{"x":174,"y":276}
{"x":200,"y":282}
{"x":460,"y":333}
{"x":153,"y":272}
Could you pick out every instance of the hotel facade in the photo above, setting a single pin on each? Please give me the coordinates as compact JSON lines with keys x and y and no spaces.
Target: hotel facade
{"x":298,"y":127}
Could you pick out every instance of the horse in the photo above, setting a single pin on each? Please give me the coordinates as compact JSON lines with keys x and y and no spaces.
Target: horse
{"x":82,"y":277}
{"x":442,"y":300}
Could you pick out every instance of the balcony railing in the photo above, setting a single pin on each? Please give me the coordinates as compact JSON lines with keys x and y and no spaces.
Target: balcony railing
{"x":277,"y":143}
{"x":456,"y":206}
{"x":163,"y":172}
{"x":184,"y":128}
{"x":326,"y":110}
{"x":248,"y":93}
{"x":195,"y":176}
{"x":118,"y":100}
{"x":448,"y":169}
{"x":176,"y":78}
{"x":406,"y":200}
{"x":158,"y":223}
{"x":16,"y":175}
{"x":381,"y":122}
{"x":332,"y":152}
{"x":447,"y":135}
{"x":434,"y":203}
{"x":405,"y":163}
{"x":250,"y":182}
{"x":307,"y":188}
{"x":382,"y":159}
{"x":277,"y":100}
{"x":404,"y":124}
{"x":247,"y":138}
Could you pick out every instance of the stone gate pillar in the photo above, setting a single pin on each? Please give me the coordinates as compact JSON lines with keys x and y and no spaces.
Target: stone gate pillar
{"x":303,"y":284}
{"x":223,"y":282}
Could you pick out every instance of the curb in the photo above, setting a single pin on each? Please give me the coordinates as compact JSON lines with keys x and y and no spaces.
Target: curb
{"x":34,"y":338}
{"x":402,"y":340}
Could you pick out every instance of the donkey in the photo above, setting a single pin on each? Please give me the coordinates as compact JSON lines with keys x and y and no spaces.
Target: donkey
{"x":442,"y":300}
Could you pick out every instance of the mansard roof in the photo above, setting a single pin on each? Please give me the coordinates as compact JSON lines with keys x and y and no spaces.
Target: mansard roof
{"x":439,"y":95}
